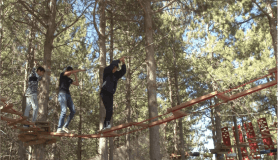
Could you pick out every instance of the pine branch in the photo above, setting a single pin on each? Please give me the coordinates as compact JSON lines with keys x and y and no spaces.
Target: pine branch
{"x":31,"y":12}
{"x":74,"y":21}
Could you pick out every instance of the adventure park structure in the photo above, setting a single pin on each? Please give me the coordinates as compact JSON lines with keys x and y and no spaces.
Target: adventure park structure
{"x":39,"y":132}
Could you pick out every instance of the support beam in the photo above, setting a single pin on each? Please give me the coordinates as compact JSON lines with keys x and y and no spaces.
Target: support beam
{"x":223,"y":97}
{"x":162,"y":121}
{"x":255,"y":89}
{"x":192,"y":102}
{"x":179,"y":114}
{"x":141,"y":124}
{"x":18,"y":121}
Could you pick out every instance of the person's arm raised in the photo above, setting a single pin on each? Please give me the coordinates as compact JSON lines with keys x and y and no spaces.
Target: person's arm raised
{"x":76,"y":80}
{"x":121,"y":73}
{"x":73,"y":71}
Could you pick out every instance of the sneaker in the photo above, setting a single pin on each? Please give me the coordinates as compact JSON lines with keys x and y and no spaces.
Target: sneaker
{"x":26,"y":126}
{"x":59,"y":130}
{"x":65,"y":129}
{"x":108,"y":125}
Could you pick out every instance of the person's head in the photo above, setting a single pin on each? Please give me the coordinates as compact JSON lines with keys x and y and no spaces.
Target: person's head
{"x":114,"y":69}
{"x":40,"y":71}
{"x":69,"y":68}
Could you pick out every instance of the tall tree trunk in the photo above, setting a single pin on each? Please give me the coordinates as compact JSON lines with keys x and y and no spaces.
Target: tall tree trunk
{"x":274,"y":34}
{"x":102,"y":60}
{"x":172,"y":104}
{"x":218,"y":130}
{"x":179,"y":102}
{"x":128,"y":106}
{"x":56,"y":119}
{"x":1,"y":40}
{"x":39,"y":150}
{"x":213,"y":125}
{"x":79,"y":145}
{"x":151,"y":82}
{"x":244,"y":133}
{"x":237,"y":138}
{"x":111,"y":139}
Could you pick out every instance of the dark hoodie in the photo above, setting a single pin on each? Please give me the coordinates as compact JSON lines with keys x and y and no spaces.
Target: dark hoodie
{"x":110,"y":79}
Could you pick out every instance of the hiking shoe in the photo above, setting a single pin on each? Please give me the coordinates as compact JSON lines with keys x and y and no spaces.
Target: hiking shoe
{"x":66,"y":130}
{"x":59,"y":130}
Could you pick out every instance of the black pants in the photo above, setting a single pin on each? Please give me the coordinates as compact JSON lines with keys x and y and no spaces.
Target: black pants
{"x":107,"y":100}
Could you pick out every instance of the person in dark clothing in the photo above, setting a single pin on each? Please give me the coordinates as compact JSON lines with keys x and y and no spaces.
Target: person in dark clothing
{"x":31,"y":92}
{"x":64,"y":98}
{"x":110,"y":80}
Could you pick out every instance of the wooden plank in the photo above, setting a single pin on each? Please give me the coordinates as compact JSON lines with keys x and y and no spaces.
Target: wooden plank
{"x":18,"y":121}
{"x":8,"y":119}
{"x":63,"y":134}
{"x":224,"y":97}
{"x":158,"y":122}
{"x":12,"y":112}
{"x":7,"y":107}
{"x":272,"y":70}
{"x":179,"y":114}
{"x":192,"y":102}
{"x":110,"y":134}
{"x":117,"y":127}
{"x":27,"y":123}
{"x":90,"y":136}
{"x":249,"y":91}
{"x":141,"y":124}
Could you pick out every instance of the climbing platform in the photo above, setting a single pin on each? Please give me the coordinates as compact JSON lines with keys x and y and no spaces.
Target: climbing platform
{"x":40,"y":133}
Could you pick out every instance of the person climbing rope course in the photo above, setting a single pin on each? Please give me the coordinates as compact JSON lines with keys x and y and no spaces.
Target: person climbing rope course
{"x":65,"y":99}
{"x":31,"y":92}
{"x":110,"y":80}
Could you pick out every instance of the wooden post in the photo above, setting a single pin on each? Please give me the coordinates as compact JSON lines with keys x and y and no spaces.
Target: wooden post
{"x":237,"y":138}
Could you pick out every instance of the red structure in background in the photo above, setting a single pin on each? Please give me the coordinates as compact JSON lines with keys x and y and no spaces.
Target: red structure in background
{"x":252,"y":140}
{"x":226,"y":140}
{"x":241,"y":140}
{"x":266,"y":136}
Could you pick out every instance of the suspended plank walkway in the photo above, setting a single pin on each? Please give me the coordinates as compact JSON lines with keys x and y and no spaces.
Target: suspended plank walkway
{"x":39,"y":132}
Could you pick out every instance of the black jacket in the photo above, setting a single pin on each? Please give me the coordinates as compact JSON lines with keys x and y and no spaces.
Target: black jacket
{"x":110,"y":79}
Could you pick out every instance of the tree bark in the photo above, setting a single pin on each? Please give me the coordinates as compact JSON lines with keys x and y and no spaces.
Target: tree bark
{"x":174,"y":121}
{"x":213,"y":125}
{"x":1,"y":40}
{"x":128,"y":106}
{"x":151,"y":82}
{"x":237,"y":138}
{"x":55,"y":149}
{"x":111,"y":139}
{"x":244,"y":133}
{"x":79,"y":145}
{"x":39,"y":150}
{"x":218,"y":130}
{"x":102,"y":59}
{"x":179,"y":102}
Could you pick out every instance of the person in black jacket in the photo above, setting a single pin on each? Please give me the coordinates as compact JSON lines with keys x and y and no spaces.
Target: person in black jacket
{"x":110,"y":79}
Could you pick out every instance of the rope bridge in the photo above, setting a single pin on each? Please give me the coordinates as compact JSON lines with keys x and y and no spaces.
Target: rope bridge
{"x":39,"y":132}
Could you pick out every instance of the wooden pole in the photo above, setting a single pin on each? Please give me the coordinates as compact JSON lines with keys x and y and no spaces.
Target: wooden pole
{"x":237,"y":138}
